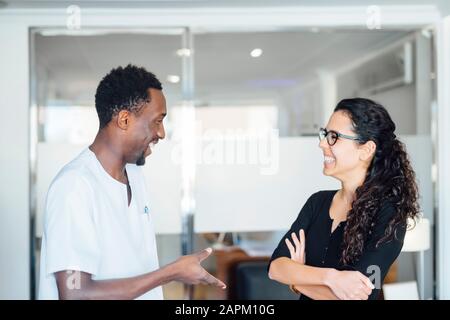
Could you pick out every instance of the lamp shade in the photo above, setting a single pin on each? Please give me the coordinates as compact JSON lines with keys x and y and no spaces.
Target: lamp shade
{"x":417,"y":238}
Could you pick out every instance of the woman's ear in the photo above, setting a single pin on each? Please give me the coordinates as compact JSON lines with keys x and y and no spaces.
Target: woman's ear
{"x":367,"y":150}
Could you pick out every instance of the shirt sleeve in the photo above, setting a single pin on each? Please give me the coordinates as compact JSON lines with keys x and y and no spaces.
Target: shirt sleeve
{"x":302,"y":222}
{"x":376,"y":260}
{"x":70,"y":233}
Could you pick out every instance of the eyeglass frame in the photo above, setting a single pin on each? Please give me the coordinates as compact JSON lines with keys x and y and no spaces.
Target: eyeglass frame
{"x":339,"y":135}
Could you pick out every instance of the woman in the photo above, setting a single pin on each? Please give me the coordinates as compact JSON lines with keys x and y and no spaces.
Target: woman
{"x":353,"y":234}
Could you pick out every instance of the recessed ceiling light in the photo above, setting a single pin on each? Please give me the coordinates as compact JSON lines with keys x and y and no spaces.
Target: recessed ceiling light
{"x":257,"y":52}
{"x":184,"y":52}
{"x":172,"y":78}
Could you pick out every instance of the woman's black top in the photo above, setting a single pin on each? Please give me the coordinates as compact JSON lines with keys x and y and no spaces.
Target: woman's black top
{"x":323,"y":248}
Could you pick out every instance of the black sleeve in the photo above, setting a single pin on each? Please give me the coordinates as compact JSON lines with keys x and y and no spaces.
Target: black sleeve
{"x":376,"y":261}
{"x":302,"y":222}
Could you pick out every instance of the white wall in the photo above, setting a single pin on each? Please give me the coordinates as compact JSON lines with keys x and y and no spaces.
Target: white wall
{"x":401,"y":105}
{"x":443,"y":181}
{"x":302,"y":106}
{"x":400,"y":102}
{"x":424,"y":85}
{"x":14,"y":168}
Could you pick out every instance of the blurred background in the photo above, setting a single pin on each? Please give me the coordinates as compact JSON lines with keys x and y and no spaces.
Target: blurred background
{"x":248,"y":84}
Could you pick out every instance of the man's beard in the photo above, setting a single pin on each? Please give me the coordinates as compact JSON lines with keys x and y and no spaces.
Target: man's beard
{"x":141,"y":160}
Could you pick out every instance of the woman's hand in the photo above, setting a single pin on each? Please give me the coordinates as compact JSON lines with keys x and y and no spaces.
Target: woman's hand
{"x":349,"y":285}
{"x":345,"y":285}
{"x":297,"y":250}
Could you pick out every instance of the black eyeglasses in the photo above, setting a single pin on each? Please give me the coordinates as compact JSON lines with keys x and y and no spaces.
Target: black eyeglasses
{"x":332,"y":136}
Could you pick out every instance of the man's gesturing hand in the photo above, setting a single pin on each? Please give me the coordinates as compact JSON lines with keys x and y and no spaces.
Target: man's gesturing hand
{"x":188,"y":270}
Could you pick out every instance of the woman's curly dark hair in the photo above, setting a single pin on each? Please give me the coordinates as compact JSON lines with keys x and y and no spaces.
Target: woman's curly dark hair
{"x":389,"y":178}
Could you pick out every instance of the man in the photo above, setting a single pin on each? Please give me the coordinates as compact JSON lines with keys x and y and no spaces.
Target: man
{"x":98,"y":239}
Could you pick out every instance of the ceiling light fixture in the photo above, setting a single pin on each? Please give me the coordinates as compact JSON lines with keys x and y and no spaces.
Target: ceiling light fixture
{"x":172,"y":78}
{"x":184,"y":52}
{"x":255,"y":53}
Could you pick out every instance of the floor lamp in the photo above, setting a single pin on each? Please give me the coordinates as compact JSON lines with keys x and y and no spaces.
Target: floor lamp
{"x":417,"y":239}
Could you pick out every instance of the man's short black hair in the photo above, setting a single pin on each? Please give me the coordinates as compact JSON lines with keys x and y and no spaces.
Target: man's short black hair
{"x":123,"y":89}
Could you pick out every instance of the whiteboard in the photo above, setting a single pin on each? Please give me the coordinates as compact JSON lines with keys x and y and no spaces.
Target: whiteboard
{"x":233,"y":198}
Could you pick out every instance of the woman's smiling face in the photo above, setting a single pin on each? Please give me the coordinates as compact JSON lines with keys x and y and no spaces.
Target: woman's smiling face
{"x":344,"y":158}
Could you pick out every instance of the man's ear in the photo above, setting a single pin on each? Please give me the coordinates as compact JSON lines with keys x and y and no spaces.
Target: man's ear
{"x":123,"y":119}
{"x":368,"y":150}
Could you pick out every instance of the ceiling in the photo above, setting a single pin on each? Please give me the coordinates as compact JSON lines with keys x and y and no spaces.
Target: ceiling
{"x":207,"y":3}
{"x":73,"y":65}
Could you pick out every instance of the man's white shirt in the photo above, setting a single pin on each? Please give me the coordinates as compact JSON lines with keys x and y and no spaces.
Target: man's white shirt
{"x":89,"y":226}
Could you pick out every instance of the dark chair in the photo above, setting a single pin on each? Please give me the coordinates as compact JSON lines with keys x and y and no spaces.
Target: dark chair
{"x":251,"y":282}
